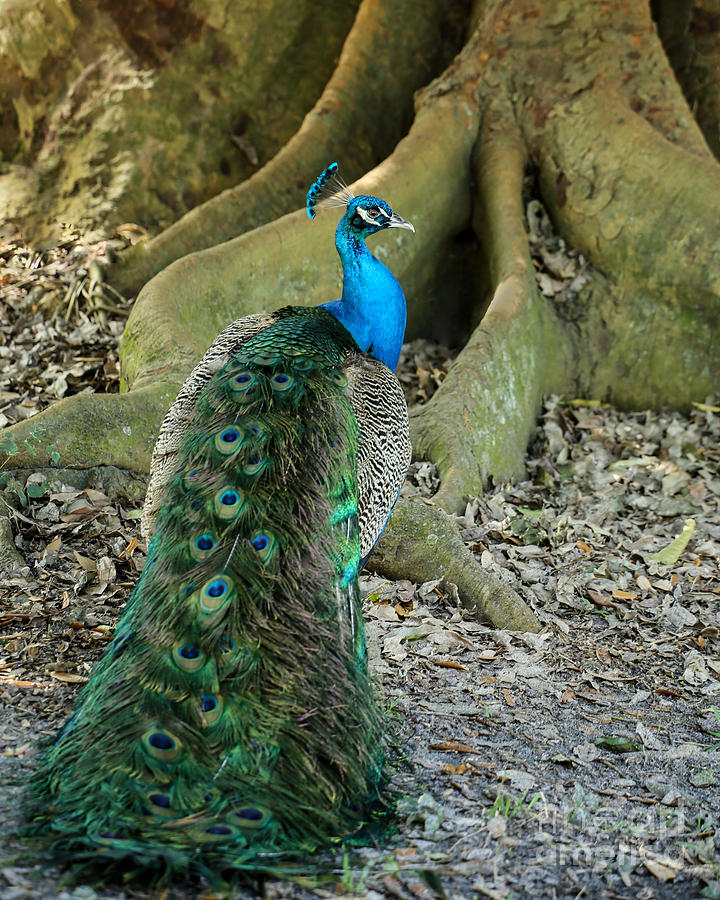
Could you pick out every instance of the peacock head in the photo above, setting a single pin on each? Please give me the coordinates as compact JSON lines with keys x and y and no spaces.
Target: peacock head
{"x":363,"y":216}
{"x":368,"y":215}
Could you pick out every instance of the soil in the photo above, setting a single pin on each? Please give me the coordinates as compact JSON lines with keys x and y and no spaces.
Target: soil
{"x":580,"y":762}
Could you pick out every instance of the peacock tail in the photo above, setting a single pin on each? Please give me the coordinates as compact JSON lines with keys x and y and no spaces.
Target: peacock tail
{"x":231,"y":721}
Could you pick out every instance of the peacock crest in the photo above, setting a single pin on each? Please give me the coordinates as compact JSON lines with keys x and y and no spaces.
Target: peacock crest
{"x":328,"y":190}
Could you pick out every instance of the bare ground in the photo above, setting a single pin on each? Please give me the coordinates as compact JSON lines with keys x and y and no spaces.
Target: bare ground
{"x":581,"y":762}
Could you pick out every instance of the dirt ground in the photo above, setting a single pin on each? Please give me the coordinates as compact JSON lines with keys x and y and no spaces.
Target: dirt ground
{"x":580,"y":762}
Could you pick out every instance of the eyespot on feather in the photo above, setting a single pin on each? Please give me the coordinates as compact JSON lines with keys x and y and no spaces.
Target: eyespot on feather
{"x":215,"y":594}
{"x":162,"y":745}
{"x":202,"y":546}
{"x":188,"y":657}
{"x":186,"y":590}
{"x":251,"y":818}
{"x":255,"y":464}
{"x":108,"y":837}
{"x":192,"y":479}
{"x":338,"y":377}
{"x":264,"y":545}
{"x":211,"y":708}
{"x":242,"y":380}
{"x":265,"y":359}
{"x":215,"y":832}
{"x":226,"y":644}
{"x":242,"y":383}
{"x":281,"y":382}
{"x":256,"y":430}
{"x":228,"y":440}
{"x":212,"y":796}
{"x":303,"y":364}
{"x":159,"y":804}
{"x":228,"y":502}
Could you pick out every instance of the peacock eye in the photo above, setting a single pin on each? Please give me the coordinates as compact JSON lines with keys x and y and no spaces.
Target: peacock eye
{"x":373,"y":212}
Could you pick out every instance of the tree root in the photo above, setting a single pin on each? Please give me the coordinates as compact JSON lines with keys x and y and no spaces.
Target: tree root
{"x":88,"y":430}
{"x":478,"y":422}
{"x":383,"y":62}
{"x":10,"y":557}
{"x":600,"y":116}
{"x":422,"y":543}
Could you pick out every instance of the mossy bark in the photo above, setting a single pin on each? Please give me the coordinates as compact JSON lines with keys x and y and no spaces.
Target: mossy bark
{"x":382,"y":63}
{"x":138,"y":111}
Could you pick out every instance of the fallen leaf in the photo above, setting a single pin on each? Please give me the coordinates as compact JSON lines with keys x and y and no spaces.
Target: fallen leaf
{"x":663,"y":868}
{"x":453,"y":747}
{"x":669,"y":555}
{"x":85,"y":561}
{"x":599,"y":600}
{"x":497,"y":826}
{"x":618,"y":744}
{"x":69,"y":677}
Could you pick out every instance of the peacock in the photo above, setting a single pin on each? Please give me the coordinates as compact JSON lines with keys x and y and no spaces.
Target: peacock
{"x":231,"y":722}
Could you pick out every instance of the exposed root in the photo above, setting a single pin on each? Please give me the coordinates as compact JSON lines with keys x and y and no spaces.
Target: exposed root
{"x":10,"y":558}
{"x":478,"y":423}
{"x":383,"y":62}
{"x":88,"y":430}
{"x":423,"y":543}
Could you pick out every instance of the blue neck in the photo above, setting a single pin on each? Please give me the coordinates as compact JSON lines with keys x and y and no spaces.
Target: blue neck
{"x":372,"y":306}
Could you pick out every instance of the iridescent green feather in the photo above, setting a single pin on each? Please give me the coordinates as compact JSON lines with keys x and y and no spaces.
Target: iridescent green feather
{"x":231,"y":722}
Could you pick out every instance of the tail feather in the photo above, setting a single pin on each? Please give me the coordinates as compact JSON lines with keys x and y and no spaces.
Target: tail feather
{"x":231,"y":720}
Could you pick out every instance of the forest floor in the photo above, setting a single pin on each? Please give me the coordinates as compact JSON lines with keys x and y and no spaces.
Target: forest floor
{"x":580,"y":762}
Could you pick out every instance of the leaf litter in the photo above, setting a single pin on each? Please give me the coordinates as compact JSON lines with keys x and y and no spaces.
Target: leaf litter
{"x":582,"y":761}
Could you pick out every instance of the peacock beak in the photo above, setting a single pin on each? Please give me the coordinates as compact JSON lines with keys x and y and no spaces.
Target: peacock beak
{"x":397,"y":221}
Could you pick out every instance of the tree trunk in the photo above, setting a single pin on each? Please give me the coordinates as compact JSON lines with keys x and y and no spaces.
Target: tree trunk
{"x":138,"y":111}
{"x":572,"y":104}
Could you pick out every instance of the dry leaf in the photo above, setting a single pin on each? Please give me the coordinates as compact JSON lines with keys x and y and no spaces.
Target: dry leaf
{"x":497,"y":826}
{"x":669,"y":555}
{"x":598,"y":599}
{"x":70,"y":677}
{"x":453,"y":747}
{"x":85,"y":561}
{"x":661,"y":867}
